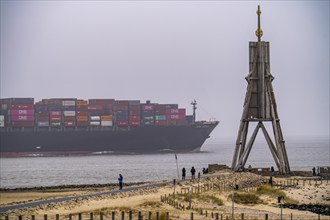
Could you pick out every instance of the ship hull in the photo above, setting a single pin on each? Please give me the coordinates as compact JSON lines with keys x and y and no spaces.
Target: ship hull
{"x":147,"y":139}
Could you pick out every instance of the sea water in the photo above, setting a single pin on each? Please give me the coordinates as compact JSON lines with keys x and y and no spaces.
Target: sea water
{"x":303,"y":153}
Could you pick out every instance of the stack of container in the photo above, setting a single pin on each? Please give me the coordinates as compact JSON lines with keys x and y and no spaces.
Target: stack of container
{"x":55,"y":118}
{"x":176,"y":116}
{"x":120,"y":110}
{"x":134,"y":113}
{"x":42,"y":119}
{"x":16,"y":112}
{"x":160,"y":115}
{"x":55,"y":109}
{"x":82,"y":113}
{"x":148,"y":114}
{"x":22,"y":112}
{"x":106,"y":121}
{"x":100,"y":112}
{"x":69,"y":112}
{"x":4,"y":112}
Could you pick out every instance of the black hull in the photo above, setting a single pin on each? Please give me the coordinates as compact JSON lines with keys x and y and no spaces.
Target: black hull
{"x":148,"y":139}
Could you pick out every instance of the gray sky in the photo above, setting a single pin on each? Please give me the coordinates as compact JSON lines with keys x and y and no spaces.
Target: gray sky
{"x":170,"y":52}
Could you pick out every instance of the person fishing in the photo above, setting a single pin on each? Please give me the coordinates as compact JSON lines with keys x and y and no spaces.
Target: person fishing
{"x":120,"y":180}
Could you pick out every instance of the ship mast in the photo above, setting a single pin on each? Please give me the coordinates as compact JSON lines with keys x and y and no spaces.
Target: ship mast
{"x":194,"y":104}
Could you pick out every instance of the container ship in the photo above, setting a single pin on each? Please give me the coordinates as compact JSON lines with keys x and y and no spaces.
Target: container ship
{"x":67,"y":126}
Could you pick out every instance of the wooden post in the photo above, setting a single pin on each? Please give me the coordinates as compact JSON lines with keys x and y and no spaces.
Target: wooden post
{"x":242,"y":216}
{"x":113,"y":215}
{"x":191,"y":216}
{"x":206,"y":213}
{"x":130,"y":215}
{"x":91,"y":216}
{"x":122,"y":215}
{"x":266,"y":216}
{"x":221,"y":217}
{"x":319,"y":217}
{"x":149,"y":216}
{"x":101,"y":215}
{"x":20,"y":217}
{"x":139,"y":216}
{"x":6,"y":217}
{"x":45,"y":217}
{"x":79,"y":216}
{"x":167,"y":216}
{"x":57,"y":217}
{"x":33,"y":217}
{"x":157,"y":215}
{"x":216,"y":216}
{"x":291,"y":216}
{"x":70,"y":216}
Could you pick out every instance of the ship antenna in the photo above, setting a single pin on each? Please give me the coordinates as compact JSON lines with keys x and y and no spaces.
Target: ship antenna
{"x":194,"y":104}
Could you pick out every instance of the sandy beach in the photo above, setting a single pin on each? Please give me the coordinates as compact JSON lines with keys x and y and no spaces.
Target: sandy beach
{"x":211,"y":195}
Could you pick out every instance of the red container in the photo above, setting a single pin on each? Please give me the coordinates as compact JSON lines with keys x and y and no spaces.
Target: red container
{"x":173,"y":106}
{"x":81,"y":103}
{"x":108,"y":106}
{"x":135,"y":108}
{"x":100,"y":101}
{"x":69,"y":123}
{"x":22,"y":124}
{"x":22,"y":118}
{"x":175,"y":117}
{"x":22,"y":106}
{"x":172,"y":111}
{"x":122,"y":123}
{"x":171,"y":122}
{"x":160,"y":107}
{"x":160,"y":123}
{"x":121,"y":102}
{"x":134,"y":113}
{"x":22,"y":112}
{"x":55,"y":118}
{"x":82,"y":113}
{"x":82,"y":107}
{"x":134,"y":117}
{"x":69,"y":118}
{"x":148,"y":107}
{"x":43,"y":118}
{"x":134,"y":123}
{"x":182,"y":122}
{"x":95,"y":107}
{"x":96,"y":112}
{"x":55,"y":113}
{"x":120,"y":108}
{"x":82,"y":118}
{"x":182,"y":111}
{"x":82,"y":123}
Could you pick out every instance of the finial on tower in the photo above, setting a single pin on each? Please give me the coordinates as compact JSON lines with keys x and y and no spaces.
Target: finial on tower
{"x":259,"y":31}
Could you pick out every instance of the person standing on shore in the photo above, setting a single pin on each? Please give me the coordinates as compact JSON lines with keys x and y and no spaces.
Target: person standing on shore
{"x":120,"y":180}
{"x":193,"y":171}
{"x":183,"y":173}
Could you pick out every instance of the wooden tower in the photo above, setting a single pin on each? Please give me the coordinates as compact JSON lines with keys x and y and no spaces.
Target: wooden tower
{"x":260,"y":107}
